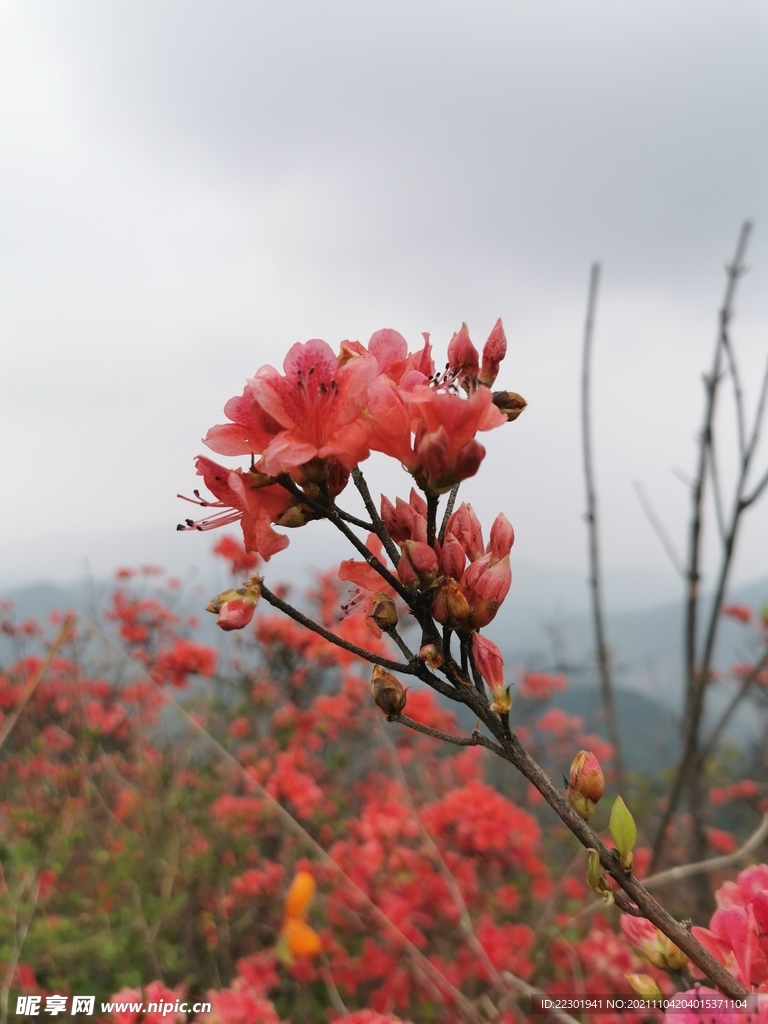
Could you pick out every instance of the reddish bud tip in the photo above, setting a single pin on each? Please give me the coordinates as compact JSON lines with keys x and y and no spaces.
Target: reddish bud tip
{"x":494,"y":351}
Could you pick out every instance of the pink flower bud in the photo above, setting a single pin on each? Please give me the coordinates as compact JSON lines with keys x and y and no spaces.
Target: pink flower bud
{"x":418,"y":504}
{"x":463,"y":359}
{"x":502,"y":537}
{"x":489,"y":661}
{"x":235,"y":608}
{"x":494,"y":583}
{"x":486,"y":585}
{"x":434,"y":451}
{"x":494,"y":351}
{"x":465,"y":526}
{"x":452,"y":557}
{"x":490,"y":665}
{"x":586,"y":783}
{"x":654,"y":945}
{"x":403,"y":520}
{"x":418,"y":566}
{"x":465,"y":464}
{"x":388,"y":517}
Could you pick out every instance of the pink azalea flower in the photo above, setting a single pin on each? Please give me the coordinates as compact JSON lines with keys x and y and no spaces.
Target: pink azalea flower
{"x":373,"y":595}
{"x":250,"y":431}
{"x":318,"y":404}
{"x":429,"y":432}
{"x":242,"y":497}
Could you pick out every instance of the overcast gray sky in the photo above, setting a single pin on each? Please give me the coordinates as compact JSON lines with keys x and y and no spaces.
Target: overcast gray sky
{"x":187,"y":188}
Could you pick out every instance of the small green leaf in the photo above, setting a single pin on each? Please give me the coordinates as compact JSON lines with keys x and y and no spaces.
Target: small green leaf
{"x":623,"y":830}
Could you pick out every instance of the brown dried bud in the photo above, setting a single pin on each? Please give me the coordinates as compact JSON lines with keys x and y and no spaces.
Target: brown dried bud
{"x":510,"y":403}
{"x":296,"y":515}
{"x":388,"y":692}
{"x":383,"y":611}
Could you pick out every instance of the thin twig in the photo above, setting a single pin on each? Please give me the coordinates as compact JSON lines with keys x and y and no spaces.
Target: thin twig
{"x":333,"y":993}
{"x":716,"y":492}
{"x":330,"y":512}
{"x":658,"y":527}
{"x":747,"y":683}
{"x":696,"y":675}
{"x":727,"y":860}
{"x":349,"y":518}
{"x":760,"y":487}
{"x":595,"y":582}
{"x":448,"y":511}
{"x":326,"y":634}
{"x":759,"y":413}
{"x":476,"y":739}
{"x":378,"y":526}
{"x":393,"y":634}
{"x":738,"y":394}
{"x":432,"y":503}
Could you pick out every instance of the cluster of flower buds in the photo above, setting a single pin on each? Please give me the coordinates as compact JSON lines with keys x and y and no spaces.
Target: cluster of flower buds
{"x":235,"y":608}
{"x":467,"y":579}
{"x":305,"y":429}
{"x":586,"y":784}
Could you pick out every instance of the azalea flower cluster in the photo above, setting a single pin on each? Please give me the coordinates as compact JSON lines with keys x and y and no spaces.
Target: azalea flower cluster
{"x":308,"y":429}
{"x":313,"y":424}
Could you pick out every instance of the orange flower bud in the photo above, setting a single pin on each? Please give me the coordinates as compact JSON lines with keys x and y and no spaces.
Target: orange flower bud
{"x":300,"y":895}
{"x":300,"y":938}
{"x":388,"y":692}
